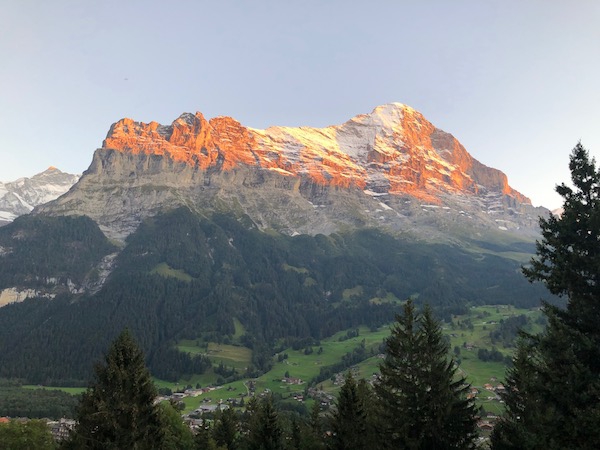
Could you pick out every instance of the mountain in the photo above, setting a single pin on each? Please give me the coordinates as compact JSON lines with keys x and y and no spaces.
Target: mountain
{"x":214,"y":232}
{"x":21,"y":196}
{"x":181,"y":276}
{"x":390,"y":168}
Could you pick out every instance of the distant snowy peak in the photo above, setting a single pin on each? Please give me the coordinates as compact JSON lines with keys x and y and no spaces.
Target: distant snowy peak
{"x":393,"y":150}
{"x":21,"y":196}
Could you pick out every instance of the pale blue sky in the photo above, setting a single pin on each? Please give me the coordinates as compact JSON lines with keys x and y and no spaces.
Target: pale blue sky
{"x":515,"y":81}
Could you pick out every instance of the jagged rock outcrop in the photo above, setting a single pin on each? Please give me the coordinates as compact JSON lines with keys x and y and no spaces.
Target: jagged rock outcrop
{"x":21,"y":196}
{"x":389,"y":168}
{"x":394,"y":149}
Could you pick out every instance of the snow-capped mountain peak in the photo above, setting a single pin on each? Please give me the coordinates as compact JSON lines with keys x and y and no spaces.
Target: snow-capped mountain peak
{"x":22,"y":195}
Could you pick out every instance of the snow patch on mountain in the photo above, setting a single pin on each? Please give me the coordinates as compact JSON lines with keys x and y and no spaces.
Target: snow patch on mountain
{"x":22,"y":195}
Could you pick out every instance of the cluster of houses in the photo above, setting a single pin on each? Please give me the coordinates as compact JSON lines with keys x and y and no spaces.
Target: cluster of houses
{"x":496,"y":390}
{"x":325,"y":400}
{"x":292,"y":380}
{"x":178,"y":396}
{"x":486,"y":424}
{"x":60,"y":429}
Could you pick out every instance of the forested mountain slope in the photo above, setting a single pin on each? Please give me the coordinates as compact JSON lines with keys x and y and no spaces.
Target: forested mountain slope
{"x":185,"y":276}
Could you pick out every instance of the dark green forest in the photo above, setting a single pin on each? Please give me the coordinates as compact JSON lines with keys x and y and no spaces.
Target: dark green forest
{"x":118,"y":409}
{"x":16,"y":401}
{"x":36,"y":249}
{"x":182,"y":276}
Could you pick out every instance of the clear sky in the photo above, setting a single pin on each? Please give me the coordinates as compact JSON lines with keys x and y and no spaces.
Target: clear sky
{"x":517,"y":82}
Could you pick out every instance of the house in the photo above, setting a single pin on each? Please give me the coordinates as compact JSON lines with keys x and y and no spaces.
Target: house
{"x":211,"y":408}
{"x":485,"y":425}
{"x":60,"y":429}
{"x":206,"y":409}
{"x":193,"y":392}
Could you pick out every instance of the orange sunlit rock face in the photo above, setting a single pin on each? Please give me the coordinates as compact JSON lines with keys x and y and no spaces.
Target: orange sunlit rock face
{"x":394,"y":149}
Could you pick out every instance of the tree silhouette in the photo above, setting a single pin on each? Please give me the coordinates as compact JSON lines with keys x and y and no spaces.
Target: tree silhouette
{"x":423,"y":402}
{"x":265,"y":431}
{"x":117,"y":411}
{"x":349,"y":419}
{"x":553,"y":391}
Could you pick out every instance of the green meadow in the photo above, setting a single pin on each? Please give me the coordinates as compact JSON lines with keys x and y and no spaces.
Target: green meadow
{"x":167,"y":271}
{"x":468,"y":332}
{"x":230,"y":355}
{"x":68,"y":390}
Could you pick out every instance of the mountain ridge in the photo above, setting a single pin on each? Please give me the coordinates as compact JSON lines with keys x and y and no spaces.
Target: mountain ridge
{"x":182,"y":230}
{"x":386,"y":169}
{"x":22,"y":195}
{"x":394,"y":139}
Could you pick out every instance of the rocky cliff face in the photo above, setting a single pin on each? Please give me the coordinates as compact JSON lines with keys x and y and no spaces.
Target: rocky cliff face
{"x":389,"y":168}
{"x":393,"y":150}
{"x":21,"y":196}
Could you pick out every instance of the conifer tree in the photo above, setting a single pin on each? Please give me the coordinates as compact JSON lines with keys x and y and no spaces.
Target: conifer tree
{"x":117,"y":411}
{"x":315,"y":421}
{"x":312,"y":431}
{"x":423,"y":402}
{"x":264,"y":429}
{"x":178,"y":435}
{"x":370,"y":404}
{"x":553,"y":395}
{"x":349,"y":419}
{"x":204,"y":440}
{"x":226,"y":429}
{"x":520,"y":379}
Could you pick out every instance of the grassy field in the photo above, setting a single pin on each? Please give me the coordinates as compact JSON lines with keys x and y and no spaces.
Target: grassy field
{"x":304,"y":367}
{"x":469,"y":333}
{"x":230,"y":355}
{"x":472,"y":329}
{"x":166,"y":271}
{"x":239,"y":329}
{"x":68,"y":390}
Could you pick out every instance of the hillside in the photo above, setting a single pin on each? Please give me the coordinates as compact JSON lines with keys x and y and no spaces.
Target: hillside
{"x":182,"y":276}
{"x":203,"y":228}
{"x":389,"y":169}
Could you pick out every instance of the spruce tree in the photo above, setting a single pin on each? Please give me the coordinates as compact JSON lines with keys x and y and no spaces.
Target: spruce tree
{"x":423,"y":402}
{"x":226,"y":429}
{"x":553,"y":395}
{"x":264,"y":429}
{"x":312,"y":431}
{"x":117,"y":411}
{"x":204,"y":440}
{"x":368,"y":398}
{"x":349,"y":419}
